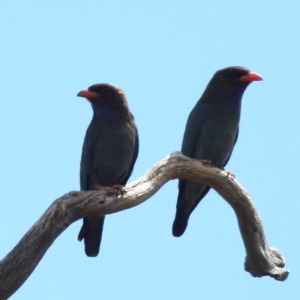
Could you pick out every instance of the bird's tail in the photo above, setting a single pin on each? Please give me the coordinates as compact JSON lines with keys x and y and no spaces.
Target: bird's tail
{"x":91,"y":232}
{"x":180,"y":223}
{"x":190,"y":194}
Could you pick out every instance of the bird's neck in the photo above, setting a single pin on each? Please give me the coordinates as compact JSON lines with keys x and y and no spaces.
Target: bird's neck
{"x":223,"y":97}
{"x":102,"y":112}
{"x":234,"y":96}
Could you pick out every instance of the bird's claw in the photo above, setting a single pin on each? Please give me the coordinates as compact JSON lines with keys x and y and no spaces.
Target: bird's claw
{"x":229,"y":174}
{"x":206,"y":162}
{"x":119,"y":189}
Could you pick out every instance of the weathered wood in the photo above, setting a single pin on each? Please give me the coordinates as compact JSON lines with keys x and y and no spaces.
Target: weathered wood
{"x":261,"y":260}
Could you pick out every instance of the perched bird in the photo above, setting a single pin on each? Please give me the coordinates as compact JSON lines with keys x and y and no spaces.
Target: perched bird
{"x":211,"y":133}
{"x":109,"y":152}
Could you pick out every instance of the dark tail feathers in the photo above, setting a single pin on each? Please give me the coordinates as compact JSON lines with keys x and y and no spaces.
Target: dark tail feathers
{"x":180,"y":223}
{"x":91,"y":232}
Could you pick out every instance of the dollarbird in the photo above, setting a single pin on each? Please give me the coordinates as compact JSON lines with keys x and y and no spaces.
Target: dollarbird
{"x":109,"y":152}
{"x":211,"y":133}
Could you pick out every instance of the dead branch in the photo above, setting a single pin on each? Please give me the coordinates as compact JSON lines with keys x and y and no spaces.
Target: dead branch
{"x":261,"y":260}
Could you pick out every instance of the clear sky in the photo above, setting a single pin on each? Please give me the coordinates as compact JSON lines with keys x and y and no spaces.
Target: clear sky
{"x":162,"y":56}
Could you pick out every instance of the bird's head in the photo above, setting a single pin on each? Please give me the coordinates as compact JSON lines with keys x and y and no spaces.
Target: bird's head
{"x":229,"y":84}
{"x":236,"y":76}
{"x":105,"y":96}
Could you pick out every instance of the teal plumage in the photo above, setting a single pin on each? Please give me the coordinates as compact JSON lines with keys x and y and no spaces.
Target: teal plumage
{"x":211,"y":133}
{"x":109,"y":152}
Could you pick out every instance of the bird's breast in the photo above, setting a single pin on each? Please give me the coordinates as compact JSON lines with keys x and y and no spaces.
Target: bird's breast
{"x":113,"y":151}
{"x":218,"y":134}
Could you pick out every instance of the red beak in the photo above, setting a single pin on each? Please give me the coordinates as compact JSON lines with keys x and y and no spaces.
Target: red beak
{"x":88,"y":94}
{"x":251,"y":76}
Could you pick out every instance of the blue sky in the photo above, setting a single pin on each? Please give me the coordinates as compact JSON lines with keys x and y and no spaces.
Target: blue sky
{"x":162,"y":56}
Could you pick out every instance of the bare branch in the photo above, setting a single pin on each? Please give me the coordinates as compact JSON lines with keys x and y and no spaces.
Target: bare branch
{"x":261,"y":260}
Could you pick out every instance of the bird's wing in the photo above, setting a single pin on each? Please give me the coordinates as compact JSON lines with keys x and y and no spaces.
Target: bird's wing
{"x":193,"y":129}
{"x":191,"y":134}
{"x":86,"y":157}
{"x":235,"y":139}
{"x":134,"y":157}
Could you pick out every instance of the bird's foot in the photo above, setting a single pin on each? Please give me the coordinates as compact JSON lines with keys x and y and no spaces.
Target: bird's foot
{"x":206,"y":162}
{"x":119,"y":189}
{"x":229,"y":174}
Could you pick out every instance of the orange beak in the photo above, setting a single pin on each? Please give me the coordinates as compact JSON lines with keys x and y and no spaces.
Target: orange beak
{"x":88,"y":94}
{"x":251,"y":76}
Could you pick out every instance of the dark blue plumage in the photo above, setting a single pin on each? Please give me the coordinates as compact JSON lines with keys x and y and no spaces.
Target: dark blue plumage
{"x":211,"y":133}
{"x":109,"y":152}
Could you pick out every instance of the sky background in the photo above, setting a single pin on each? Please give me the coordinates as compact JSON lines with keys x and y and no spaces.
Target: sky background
{"x":162,"y":56}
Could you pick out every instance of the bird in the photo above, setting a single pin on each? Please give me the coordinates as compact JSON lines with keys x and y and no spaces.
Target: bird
{"x":210,"y":134}
{"x":109,"y":152}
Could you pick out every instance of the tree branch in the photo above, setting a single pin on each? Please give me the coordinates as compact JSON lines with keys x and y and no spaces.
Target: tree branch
{"x":261,"y":260}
